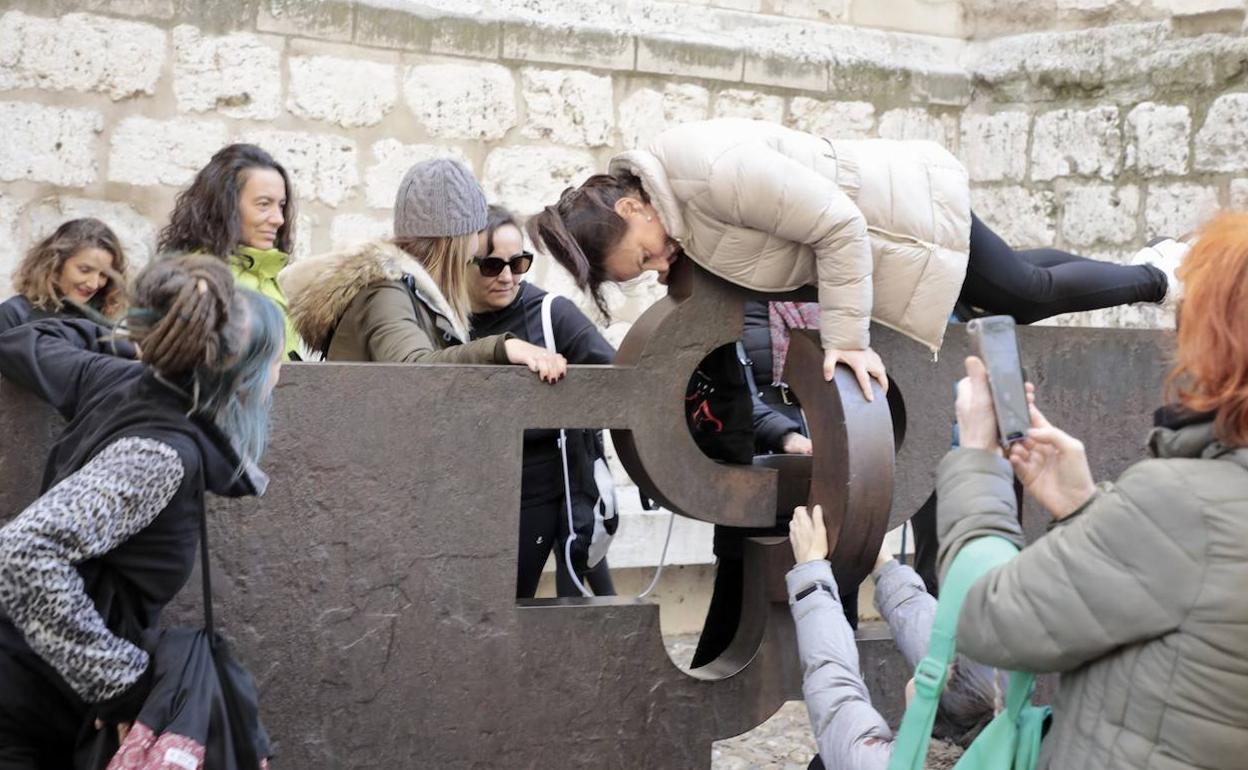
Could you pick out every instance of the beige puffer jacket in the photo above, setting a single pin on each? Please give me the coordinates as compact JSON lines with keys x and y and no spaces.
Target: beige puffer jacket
{"x":1139,"y":600}
{"x":882,"y":228}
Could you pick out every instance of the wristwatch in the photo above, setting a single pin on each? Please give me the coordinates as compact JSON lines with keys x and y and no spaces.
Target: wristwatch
{"x":818,"y":585}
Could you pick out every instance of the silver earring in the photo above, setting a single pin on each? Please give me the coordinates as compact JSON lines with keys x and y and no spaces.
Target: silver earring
{"x":649,"y":219}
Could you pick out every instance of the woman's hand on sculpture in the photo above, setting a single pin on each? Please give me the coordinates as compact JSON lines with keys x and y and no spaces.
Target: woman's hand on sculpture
{"x":550,"y":367}
{"x":1052,"y":465}
{"x":866,"y":365}
{"x":807,"y":535}
{"x":796,"y":444}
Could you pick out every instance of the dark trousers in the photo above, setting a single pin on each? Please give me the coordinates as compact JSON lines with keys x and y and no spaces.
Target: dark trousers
{"x":539,"y":533}
{"x":39,"y":723}
{"x":1040,"y":283}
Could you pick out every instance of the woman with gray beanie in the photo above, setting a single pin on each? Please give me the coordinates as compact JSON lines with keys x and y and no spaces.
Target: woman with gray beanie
{"x":406,"y":300}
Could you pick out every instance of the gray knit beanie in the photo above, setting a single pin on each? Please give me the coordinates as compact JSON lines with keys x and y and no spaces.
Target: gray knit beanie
{"x":438,"y":198}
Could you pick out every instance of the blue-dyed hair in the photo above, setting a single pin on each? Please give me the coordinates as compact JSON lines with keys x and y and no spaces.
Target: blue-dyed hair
{"x":238,"y":398}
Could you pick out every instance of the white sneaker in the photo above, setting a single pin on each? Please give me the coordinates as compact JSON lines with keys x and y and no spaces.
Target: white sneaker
{"x":1165,"y":254}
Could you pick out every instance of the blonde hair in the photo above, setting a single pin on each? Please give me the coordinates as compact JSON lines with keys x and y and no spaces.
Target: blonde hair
{"x":447,"y":259}
{"x":37,"y":274}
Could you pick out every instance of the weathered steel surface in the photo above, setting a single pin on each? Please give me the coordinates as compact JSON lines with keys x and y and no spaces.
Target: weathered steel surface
{"x":853,"y":458}
{"x":1100,"y":384}
{"x":371,"y":590}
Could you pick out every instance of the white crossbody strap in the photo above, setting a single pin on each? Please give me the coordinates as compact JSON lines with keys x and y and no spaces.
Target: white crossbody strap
{"x":548,"y":327}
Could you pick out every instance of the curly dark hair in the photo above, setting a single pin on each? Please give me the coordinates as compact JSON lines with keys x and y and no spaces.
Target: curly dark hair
{"x":205,"y":217}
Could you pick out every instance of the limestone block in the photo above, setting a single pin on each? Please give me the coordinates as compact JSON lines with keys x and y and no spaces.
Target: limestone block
{"x":1178,"y":209}
{"x":994,"y":147}
{"x":1076,"y":143}
{"x":776,"y":68}
{"x":80,"y":52}
{"x":735,"y":103}
{"x":10,"y":246}
{"x":1158,"y":137}
{"x":305,"y":243}
{"x":569,"y":45}
{"x":1197,"y":7}
{"x":646,"y":112}
{"x":1024,"y":218}
{"x":323,"y":166}
{"x":1239,"y":194}
{"x":466,"y":36}
{"x":913,"y":123}
{"x":49,"y":144}
{"x":348,"y":92}
{"x":835,"y":120}
{"x":527,"y":179}
{"x":1100,"y":213}
{"x":1222,"y":142}
{"x":136,"y":232}
{"x":349,"y":229}
{"x":168,"y":152}
{"x":393,"y":159}
{"x":569,"y":107}
{"x":239,"y":75}
{"x":323,"y":19}
{"x":691,"y":58}
{"x":819,"y":10}
{"x":462,"y":101}
{"x":928,"y":17}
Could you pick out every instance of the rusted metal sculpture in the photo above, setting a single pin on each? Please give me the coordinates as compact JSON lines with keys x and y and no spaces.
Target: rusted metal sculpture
{"x":371,"y":590}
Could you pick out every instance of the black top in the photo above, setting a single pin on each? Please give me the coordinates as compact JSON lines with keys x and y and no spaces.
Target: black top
{"x":577,"y":340}
{"x":105,"y":399}
{"x":17,"y":310}
{"x":770,"y":424}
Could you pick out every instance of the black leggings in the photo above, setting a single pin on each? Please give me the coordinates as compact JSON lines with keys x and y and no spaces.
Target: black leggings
{"x":539,"y":532}
{"x":1039,"y":283}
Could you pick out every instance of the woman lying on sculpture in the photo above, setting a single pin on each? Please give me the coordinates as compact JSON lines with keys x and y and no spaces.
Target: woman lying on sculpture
{"x":87,"y":568}
{"x":79,"y":271}
{"x":407,"y":300}
{"x":882,"y":228}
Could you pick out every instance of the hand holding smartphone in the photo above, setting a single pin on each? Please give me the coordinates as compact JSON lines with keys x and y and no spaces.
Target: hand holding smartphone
{"x":996,"y":345}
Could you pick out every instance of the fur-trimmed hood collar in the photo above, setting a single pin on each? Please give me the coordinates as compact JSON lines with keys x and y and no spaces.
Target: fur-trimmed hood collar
{"x":319,"y":289}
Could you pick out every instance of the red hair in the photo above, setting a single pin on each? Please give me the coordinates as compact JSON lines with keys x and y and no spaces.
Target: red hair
{"x":1211,"y":366}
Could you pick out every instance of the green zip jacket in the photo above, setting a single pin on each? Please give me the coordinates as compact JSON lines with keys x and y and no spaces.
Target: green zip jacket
{"x":257,"y":270}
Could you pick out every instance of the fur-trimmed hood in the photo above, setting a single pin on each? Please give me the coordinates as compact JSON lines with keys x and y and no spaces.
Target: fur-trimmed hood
{"x":319,"y":289}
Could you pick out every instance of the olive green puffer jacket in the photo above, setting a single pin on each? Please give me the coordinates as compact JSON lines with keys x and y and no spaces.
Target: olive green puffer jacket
{"x":1139,"y":600}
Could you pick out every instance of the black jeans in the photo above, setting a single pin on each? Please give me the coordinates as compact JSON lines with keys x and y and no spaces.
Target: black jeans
{"x":539,"y":533}
{"x":1039,"y":283}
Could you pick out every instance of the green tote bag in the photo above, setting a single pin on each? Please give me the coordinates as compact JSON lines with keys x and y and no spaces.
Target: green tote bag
{"x":1012,"y":740}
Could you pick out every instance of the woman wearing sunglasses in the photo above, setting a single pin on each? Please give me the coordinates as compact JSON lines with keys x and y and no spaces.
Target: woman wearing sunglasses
{"x":502,"y":303}
{"x":406,"y":300}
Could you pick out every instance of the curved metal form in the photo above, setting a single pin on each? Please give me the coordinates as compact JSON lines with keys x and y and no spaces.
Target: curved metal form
{"x":852,"y":478}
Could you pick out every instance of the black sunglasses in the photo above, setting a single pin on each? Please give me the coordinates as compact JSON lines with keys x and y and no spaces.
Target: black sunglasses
{"x":491,"y":267}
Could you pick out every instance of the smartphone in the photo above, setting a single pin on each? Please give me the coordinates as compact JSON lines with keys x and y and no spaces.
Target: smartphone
{"x":997,"y":346}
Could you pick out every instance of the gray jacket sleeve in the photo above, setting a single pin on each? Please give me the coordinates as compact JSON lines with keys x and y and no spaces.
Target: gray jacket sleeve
{"x":1125,"y":568}
{"x":850,"y":733}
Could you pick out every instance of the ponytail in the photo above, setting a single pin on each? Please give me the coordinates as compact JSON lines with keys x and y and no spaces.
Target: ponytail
{"x":583,"y":227}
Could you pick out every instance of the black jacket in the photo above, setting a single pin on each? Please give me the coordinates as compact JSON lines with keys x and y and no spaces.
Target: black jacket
{"x":577,"y":340}
{"x":104,"y":398}
{"x":17,"y":310}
